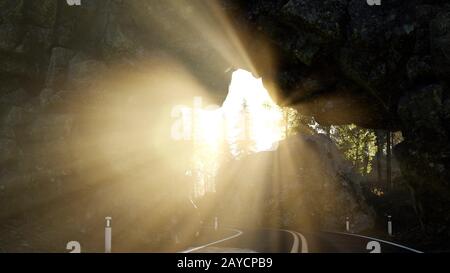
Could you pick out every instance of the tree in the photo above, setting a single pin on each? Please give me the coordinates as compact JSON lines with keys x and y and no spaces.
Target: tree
{"x":380,"y":144}
{"x":358,"y":145}
{"x":292,"y":121}
{"x":245,"y":143}
{"x":389,"y":159}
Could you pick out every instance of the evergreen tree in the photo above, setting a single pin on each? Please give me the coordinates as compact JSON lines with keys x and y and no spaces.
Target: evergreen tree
{"x":358,"y":145}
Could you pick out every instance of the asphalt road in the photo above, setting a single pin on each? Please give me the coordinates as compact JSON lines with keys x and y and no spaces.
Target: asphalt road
{"x":288,"y":241}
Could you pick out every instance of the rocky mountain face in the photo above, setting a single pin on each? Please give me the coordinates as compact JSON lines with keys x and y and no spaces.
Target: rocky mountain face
{"x":305,"y":184}
{"x":342,"y":61}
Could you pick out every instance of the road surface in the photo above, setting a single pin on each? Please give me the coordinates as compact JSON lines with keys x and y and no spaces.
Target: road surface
{"x":289,"y":241}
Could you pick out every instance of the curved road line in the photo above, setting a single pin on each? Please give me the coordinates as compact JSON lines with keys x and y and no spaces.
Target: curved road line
{"x":304,"y":243}
{"x":239,"y":233}
{"x":379,"y":240}
{"x":296,"y":241}
{"x":295,"y":245}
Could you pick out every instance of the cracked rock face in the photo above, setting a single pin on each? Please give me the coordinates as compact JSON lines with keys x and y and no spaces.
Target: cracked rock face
{"x":341,"y":61}
{"x":383,"y":67}
{"x":306,"y":184}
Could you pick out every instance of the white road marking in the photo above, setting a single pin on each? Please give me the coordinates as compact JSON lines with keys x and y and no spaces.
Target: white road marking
{"x":239,"y":233}
{"x":304,"y":243}
{"x":375,"y":239}
{"x":295,"y":245}
{"x":296,"y":241}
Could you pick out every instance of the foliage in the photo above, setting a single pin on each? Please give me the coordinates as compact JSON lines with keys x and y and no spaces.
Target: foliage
{"x":358,"y":144}
{"x":292,"y":121}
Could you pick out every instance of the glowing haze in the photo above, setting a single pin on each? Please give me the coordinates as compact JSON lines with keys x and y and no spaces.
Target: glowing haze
{"x":249,"y":121}
{"x":247,"y":96}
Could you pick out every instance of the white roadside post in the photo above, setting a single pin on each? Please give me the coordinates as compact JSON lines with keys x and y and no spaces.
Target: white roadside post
{"x":108,"y":234}
{"x":389,"y":225}
{"x":347,"y":224}
{"x":216,"y":223}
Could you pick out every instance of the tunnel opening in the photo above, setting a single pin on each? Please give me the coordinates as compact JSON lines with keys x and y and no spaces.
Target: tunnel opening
{"x":247,"y":122}
{"x":237,"y":159}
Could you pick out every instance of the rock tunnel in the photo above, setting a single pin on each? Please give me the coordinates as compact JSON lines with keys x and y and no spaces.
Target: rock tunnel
{"x":340,"y":61}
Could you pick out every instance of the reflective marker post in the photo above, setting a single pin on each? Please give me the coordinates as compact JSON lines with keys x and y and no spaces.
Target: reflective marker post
{"x":347,"y":224}
{"x":390,"y":225}
{"x":108,"y":235}
{"x":216,"y":223}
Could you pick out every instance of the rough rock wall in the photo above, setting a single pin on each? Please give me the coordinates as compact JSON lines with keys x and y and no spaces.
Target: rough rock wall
{"x":344,"y":61}
{"x":75,"y":140}
{"x":306,"y":184}
{"x":56,"y":64}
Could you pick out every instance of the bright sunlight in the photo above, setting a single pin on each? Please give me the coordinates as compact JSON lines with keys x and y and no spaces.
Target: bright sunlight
{"x":248,"y":122}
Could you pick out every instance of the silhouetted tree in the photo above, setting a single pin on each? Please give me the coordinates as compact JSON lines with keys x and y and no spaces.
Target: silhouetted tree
{"x":380,"y":145}
{"x":293,"y":121}
{"x":244,"y":143}
{"x":388,"y":159}
{"x":358,"y":145}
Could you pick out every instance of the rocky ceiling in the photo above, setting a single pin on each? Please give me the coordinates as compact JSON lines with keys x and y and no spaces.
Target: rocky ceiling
{"x":341,"y":61}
